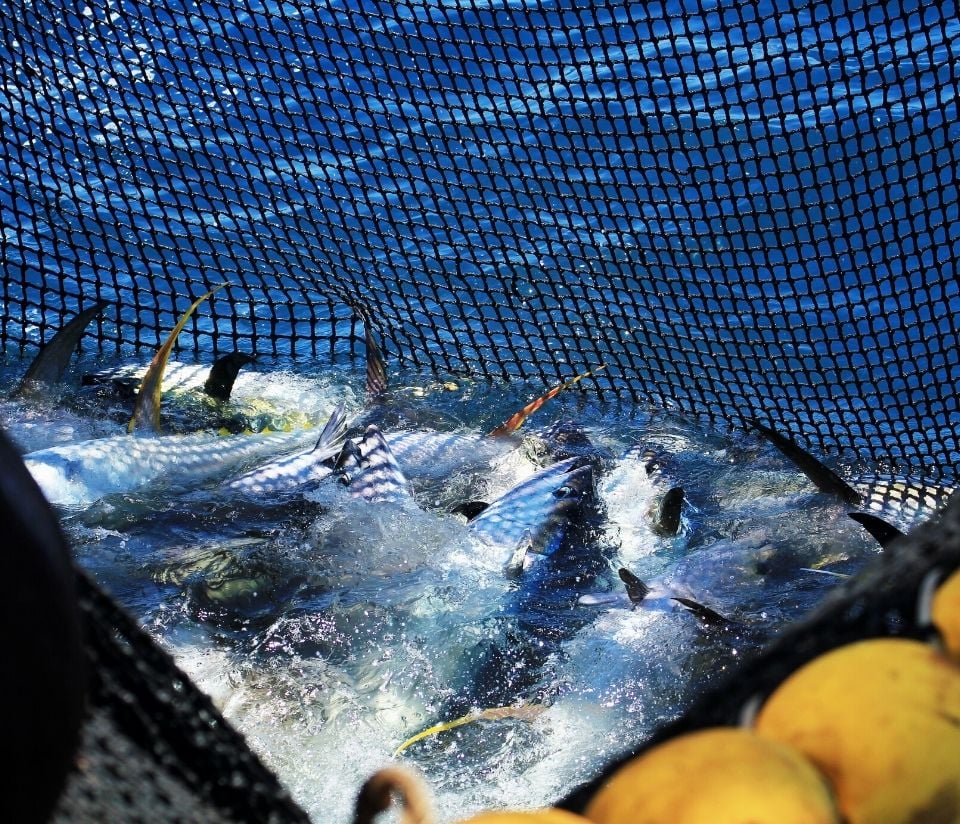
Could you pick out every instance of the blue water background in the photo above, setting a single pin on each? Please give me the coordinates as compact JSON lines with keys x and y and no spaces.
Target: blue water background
{"x":744,"y":209}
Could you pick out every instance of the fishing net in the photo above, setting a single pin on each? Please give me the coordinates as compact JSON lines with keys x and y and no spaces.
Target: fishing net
{"x":744,"y":209}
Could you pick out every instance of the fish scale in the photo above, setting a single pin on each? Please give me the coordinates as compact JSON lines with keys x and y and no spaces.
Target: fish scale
{"x":76,"y":475}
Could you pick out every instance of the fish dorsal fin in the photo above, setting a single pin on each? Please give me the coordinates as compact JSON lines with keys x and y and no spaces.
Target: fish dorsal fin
{"x":637,"y":590}
{"x":331,"y":440}
{"x":51,"y":361}
{"x":705,"y":615}
{"x":883,"y":532}
{"x":823,"y":478}
{"x":669,"y":511}
{"x":376,"y":384}
{"x":470,"y":509}
{"x":223,"y":373}
{"x":146,"y":410}
{"x":514,"y":422}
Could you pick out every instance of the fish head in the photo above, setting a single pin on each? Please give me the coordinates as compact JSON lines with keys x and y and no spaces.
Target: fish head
{"x":561,"y":440}
{"x":538,"y":510}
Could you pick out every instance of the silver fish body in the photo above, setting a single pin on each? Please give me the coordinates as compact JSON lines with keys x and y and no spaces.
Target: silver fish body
{"x":900,"y":498}
{"x":371,"y":471}
{"x":424,"y":453}
{"x":76,"y":475}
{"x":536,"y":511}
{"x":293,"y":472}
{"x":126,"y":379}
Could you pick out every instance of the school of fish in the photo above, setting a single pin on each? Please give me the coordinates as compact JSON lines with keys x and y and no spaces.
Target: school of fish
{"x":402,"y":579}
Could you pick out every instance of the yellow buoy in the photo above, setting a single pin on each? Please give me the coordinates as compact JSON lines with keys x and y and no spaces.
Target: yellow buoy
{"x":881,"y":719}
{"x":548,"y":815}
{"x":945,"y":613}
{"x":722,"y":775}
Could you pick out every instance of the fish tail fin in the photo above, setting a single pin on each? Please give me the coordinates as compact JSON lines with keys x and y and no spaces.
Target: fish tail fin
{"x":669,"y":511}
{"x":705,"y":615}
{"x":515,"y":421}
{"x":377,"y":475}
{"x":376,"y":384}
{"x":637,"y":590}
{"x":822,"y":477}
{"x":51,"y":361}
{"x":333,"y":435}
{"x":224,"y":373}
{"x":883,"y":532}
{"x":146,"y":410}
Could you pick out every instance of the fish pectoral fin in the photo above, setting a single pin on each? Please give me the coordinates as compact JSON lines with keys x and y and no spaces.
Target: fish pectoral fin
{"x":51,"y":361}
{"x":884,"y":533}
{"x":637,"y":590}
{"x":825,"y":572}
{"x":146,"y":410}
{"x":822,"y":477}
{"x":519,"y":561}
{"x":223,"y":374}
{"x":470,"y":509}
{"x":706,"y":616}
{"x":599,"y":599}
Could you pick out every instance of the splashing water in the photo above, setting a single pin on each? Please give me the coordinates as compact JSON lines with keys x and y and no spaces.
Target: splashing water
{"x":330,"y":630}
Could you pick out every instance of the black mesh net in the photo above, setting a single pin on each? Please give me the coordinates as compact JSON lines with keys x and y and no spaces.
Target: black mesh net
{"x":745,"y":209}
{"x":742,"y":208}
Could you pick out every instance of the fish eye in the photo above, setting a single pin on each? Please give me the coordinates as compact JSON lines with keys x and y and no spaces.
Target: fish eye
{"x":563,"y":492}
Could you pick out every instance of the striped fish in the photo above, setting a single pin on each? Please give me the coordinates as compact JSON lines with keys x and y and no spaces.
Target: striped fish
{"x":216,"y":380}
{"x":900,"y":498}
{"x":292,"y":472}
{"x":77,"y":474}
{"x":425,"y":453}
{"x":532,"y":516}
{"x":370,"y":471}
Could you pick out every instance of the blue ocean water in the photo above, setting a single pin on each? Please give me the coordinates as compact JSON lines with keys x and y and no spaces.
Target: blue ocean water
{"x":742,"y":209}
